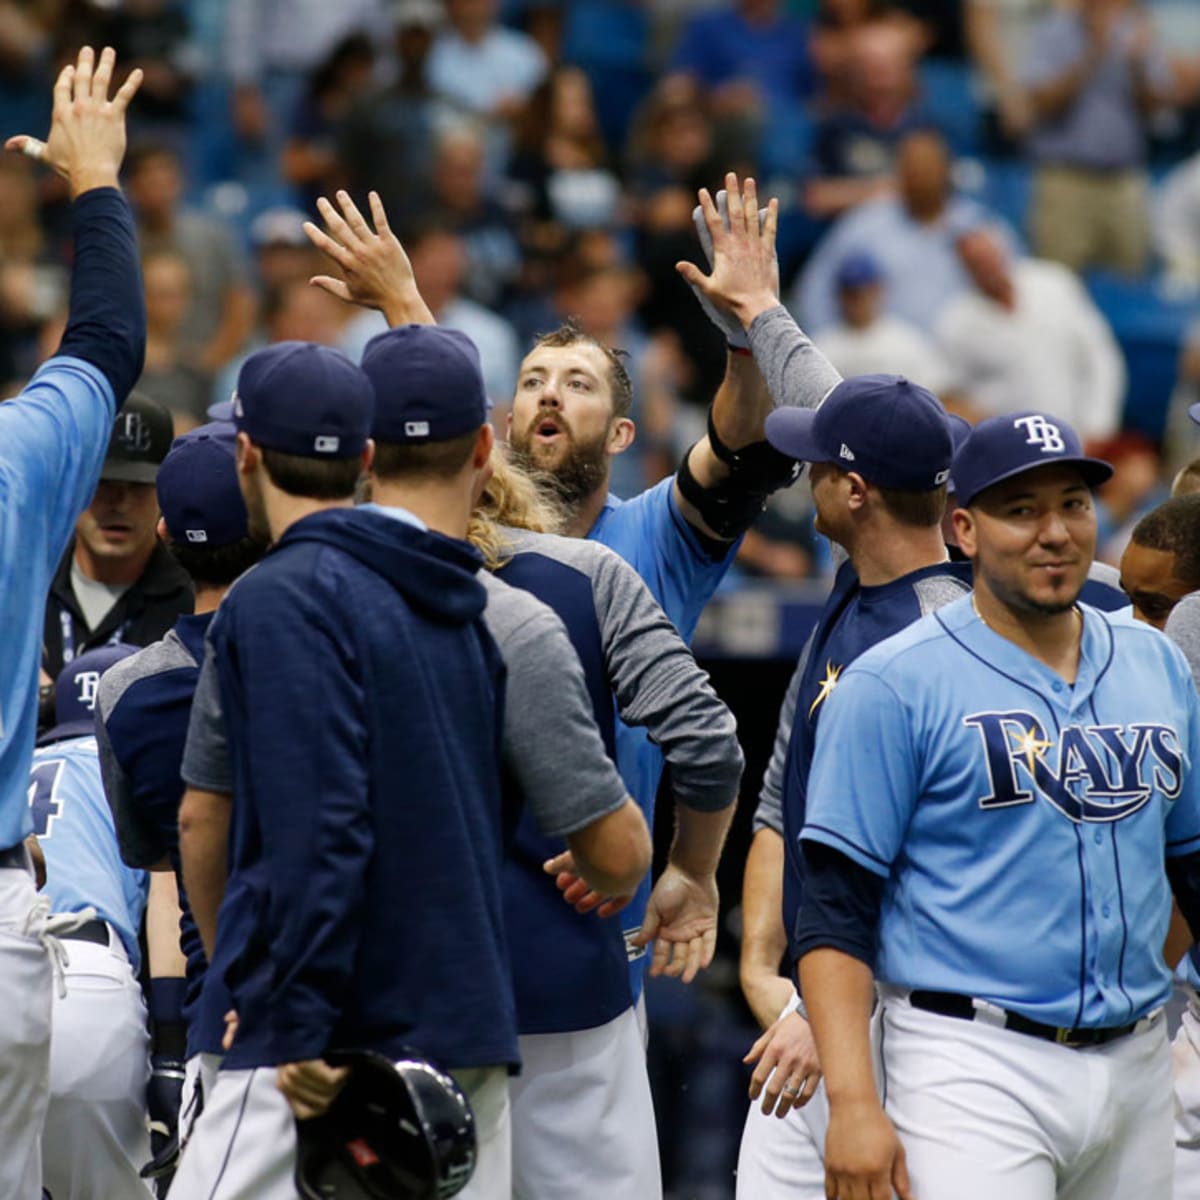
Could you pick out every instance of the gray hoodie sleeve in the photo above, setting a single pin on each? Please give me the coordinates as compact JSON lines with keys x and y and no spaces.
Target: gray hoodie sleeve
{"x":769,"y":813}
{"x":658,"y":686}
{"x":798,"y":375}
{"x":552,"y":748}
{"x":1183,"y":628}
{"x":206,"y":763}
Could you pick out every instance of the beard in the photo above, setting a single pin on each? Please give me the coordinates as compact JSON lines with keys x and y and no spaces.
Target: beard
{"x":579,"y":471}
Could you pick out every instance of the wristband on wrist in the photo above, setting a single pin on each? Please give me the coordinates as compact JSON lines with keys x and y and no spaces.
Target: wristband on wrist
{"x":743,"y":350}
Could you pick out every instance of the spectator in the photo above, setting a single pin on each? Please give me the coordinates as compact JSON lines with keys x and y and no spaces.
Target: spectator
{"x":170,"y":377}
{"x":272,"y":48}
{"x":221,"y":314}
{"x":389,"y":138}
{"x":310,"y":157}
{"x":282,"y":251}
{"x":1027,"y":336}
{"x":1176,"y":224}
{"x":1094,"y":76}
{"x":560,"y":163}
{"x":835,"y":32}
{"x":856,"y":144}
{"x":911,"y":236}
{"x":869,"y":341}
{"x":117,"y":582}
{"x":462,"y":200}
{"x":1161,"y":564}
{"x":752,"y":61}
{"x":999,"y":36}
{"x":488,"y":69}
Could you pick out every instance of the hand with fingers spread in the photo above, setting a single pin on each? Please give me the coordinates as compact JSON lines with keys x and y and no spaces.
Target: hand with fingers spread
{"x":375,"y":269}
{"x":744,"y":280}
{"x":87,"y":130}
{"x":310,"y":1087}
{"x":575,"y":889}
{"x":864,"y":1159}
{"x":681,"y":920}
{"x":788,"y":1069}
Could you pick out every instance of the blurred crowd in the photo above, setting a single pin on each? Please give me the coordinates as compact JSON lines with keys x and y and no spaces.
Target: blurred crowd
{"x":997,"y":197}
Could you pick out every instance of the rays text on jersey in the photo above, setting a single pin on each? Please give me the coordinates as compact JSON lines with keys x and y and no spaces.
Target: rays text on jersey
{"x":1091,"y":773}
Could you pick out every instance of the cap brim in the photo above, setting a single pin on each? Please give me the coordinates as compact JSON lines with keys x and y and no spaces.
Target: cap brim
{"x":790,"y":431}
{"x":68,"y":729}
{"x":1194,"y":413}
{"x":1095,"y":472}
{"x":221,"y":411}
{"x":119,"y":471}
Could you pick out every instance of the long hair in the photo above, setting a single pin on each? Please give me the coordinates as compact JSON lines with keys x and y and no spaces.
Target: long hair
{"x":513,"y":499}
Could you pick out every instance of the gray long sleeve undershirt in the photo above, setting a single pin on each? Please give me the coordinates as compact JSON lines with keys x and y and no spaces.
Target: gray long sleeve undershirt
{"x":797,"y":374}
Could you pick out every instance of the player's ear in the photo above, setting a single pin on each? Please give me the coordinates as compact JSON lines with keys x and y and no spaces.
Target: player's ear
{"x":857,"y":487}
{"x":368,"y":455}
{"x":483,"y":448}
{"x":160,"y":531}
{"x":963,"y":521}
{"x":248,"y":455}
{"x":620,"y":435}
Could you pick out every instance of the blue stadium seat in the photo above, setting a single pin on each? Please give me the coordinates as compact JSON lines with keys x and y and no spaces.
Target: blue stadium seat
{"x":950,"y":101}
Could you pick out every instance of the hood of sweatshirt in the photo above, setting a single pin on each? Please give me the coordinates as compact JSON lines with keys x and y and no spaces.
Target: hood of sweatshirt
{"x":435,"y":574}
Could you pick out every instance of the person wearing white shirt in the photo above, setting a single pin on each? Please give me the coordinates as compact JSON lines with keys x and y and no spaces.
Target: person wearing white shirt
{"x":869,"y":341}
{"x":1029,"y":337}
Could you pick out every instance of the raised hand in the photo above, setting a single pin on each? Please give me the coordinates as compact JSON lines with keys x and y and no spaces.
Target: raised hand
{"x":86,"y":143}
{"x":744,"y":279}
{"x":375,"y":269}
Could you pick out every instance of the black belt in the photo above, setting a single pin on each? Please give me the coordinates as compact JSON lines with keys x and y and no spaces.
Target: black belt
{"x":89,"y":931}
{"x":951,"y":1004}
{"x":14,"y":856}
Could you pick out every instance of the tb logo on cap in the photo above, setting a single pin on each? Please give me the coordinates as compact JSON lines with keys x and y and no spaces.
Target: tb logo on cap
{"x":88,"y":683}
{"x":132,"y":431}
{"x":1041,"y":433}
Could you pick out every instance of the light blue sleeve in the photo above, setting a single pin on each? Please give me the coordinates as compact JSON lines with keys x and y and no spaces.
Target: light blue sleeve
{"x":53,"y":439}
{"x":652,"y":535}
{"x":863,"y":785}
{"x":1183,"y":821}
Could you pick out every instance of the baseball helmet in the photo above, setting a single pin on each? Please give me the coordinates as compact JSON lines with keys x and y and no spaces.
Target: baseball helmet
{"x":399,"y":1130}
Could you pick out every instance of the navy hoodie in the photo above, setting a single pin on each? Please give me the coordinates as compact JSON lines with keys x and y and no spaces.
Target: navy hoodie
{"x":363,"y":698}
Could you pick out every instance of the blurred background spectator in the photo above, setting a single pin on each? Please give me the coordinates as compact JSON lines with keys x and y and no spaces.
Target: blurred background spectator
{"x":540,"y":158}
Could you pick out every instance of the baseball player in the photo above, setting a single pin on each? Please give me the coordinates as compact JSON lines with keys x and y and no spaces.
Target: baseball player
{"x":569,"y":419}
{"x":53,"y":437}
{"x":582,"y":1113}
{"x":95,"y":1139}
{"x":991,"y":800}
{"x":1161,"y":563}
{"x":143,"y":711}
{"x":880,"y":449}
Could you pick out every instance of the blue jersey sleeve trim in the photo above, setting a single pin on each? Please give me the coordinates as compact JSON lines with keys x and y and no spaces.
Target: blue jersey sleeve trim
{"x":839,"y":841}
{"x":1185,"y":846}
{"x":60,"y":362}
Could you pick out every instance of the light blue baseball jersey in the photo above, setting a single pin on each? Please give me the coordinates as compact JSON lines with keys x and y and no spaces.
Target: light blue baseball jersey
{"x":53,"y":438}
{"x":650,"y":533}
{"x":74,"y":825}
{"x":1021,"y":823}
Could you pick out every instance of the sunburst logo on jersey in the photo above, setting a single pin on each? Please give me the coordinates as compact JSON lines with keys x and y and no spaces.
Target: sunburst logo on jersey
{"x":1031,"y":747}
{"x":827,"y":686}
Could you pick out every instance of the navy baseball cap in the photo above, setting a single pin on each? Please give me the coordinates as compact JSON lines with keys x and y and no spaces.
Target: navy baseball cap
{"x":892,"y":432}
{"x":428,"y":384}
{"x":140,"y":439}
{"x":1001,"y":447}
{"x":198,"y":491}
{"x":304,"y":399}
{"x":75,"y":692}
{"x":858,"y":270}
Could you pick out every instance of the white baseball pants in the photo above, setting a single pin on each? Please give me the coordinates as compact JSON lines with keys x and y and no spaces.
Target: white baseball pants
{"x":95,"y":1139}
{"x":25,"y":1001}
{"x":992,"y":1114}
{"x":582,"y":1118}
{"x":1185,"y":1063}
{"x":243,"y":1146}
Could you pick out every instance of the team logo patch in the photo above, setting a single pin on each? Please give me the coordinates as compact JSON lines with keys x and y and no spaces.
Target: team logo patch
{"x":941,"y":477}
{"x":132,"y":432}
{"x":326,"y":444}
{"x":1095,"y":773}
{"x":1043,"y":433}
{"x":238,"y":411}
{"x":416,"y":428}
{"x":827,"y":686}
{"x":196,"y":535}
{"x":846,"y":453}
{"x":88,"y":683}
